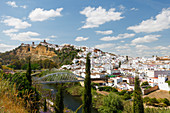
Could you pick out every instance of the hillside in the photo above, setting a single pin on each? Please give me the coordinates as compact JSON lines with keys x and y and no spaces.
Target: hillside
{"x":44,"y":54}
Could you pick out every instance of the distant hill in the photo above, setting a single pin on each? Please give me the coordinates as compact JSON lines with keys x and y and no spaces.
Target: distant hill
{"x":56,"y":55}
{"x":40,"y":52}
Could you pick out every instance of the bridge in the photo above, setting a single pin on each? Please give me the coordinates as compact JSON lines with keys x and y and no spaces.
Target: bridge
{"x":59,"y":77}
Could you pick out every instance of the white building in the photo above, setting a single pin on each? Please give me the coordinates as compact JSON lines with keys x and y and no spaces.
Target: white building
{"x":162,"y":83}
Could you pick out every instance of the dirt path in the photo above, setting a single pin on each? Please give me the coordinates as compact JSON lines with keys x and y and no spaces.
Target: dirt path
{"x":103,"y":92}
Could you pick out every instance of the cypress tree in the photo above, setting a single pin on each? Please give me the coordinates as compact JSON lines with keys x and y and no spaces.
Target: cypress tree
{"x":120,"y":64}
{"x":28,"y":73}
{"x":87,"y":97}
{"x":137,"y":100}
{"x":59,"y":104}
{"x":127,"y":59}
{"x":45,"y":105}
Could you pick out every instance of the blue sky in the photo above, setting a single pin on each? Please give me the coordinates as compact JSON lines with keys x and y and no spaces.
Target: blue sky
{"x":125,"y":27}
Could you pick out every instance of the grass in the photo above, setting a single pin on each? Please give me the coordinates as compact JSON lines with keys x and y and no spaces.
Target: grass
{"x":9,"y":103}
{"x":159,"y":94}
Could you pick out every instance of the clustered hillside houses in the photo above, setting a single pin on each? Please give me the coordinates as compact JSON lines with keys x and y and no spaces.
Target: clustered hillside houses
{"x":121,"y":70}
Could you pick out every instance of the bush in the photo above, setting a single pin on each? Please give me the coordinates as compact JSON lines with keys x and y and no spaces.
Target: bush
{"x":112,"y":103}
{"x":144,"y":83}
{"x":166,"y":101}
{"x":146,"y":100}
{"x":153,"y":101}
{"x":122,"y":92}
{"x":126,"y":96}
{"x":106,"y":88}
{"x":114,"y":90}
{"x":148,"y":87}
{"x":76,"y":90}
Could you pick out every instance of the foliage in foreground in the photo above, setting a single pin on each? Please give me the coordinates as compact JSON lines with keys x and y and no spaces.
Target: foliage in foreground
{"x":157,"y":102}
{"x":28,"y":93}
{"x":129,"y":109}
{"x":111,"y":104}
{"x":9,"y":102}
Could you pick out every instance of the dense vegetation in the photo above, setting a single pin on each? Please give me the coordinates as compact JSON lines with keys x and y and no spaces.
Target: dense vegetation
{"x":24,"y":88}
{"x":111,"y":104}
{"x":9,"y":102}
{"x":157,"y":102}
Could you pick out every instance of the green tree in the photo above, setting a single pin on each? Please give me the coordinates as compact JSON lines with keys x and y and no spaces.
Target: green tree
{"x":137,"y":100}
{"x":87,"y":97}
{"x":45,"y":105}
{"x":111,"y":104}
{"x":28,"y":73}
{"x":59,"y":104}
{"x":127,"y":58}
{"x":120,"y":64}
{"x":144,"y":83}
{"x":0,"y":65}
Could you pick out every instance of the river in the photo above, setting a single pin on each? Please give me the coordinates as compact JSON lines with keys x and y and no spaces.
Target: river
{"x":70,"y":101}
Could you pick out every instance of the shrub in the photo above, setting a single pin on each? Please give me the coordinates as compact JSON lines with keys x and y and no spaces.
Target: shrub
{"x":112,"y":103}
{"x":148,"y":87}
{"x":146,"y":100}
{"x":153,"y":101}
{"x":144,"y":83}
{"x":76,"y":90}
{"x":114,"y":90}
{"x":166,"y":101}
{"x":106,"y":88}
{"x":126,"y":96}
{"x":122,"y":92}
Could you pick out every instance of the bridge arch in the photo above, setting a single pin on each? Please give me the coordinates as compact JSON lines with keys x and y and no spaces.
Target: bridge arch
{"x":60,"y":77}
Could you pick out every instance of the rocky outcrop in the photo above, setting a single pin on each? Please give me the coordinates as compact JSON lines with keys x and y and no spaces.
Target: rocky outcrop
{"x":36,"y":51}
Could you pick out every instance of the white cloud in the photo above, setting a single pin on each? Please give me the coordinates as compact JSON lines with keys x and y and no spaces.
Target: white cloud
{"x":108,"y":32}
{"x":122,"y":47}
{"x":99,"y":16}
{"x":23,"y":6}
{"x":11,"y":3}
{"x":134,"y":9}
{"x":10,"y":31}
{"x":142,"y":47}
{"x":40,"y":14}
{"x":161,"y":48}
{"x":101,"y":46}
{"x":52,"y":36}
{"x":81,"y":39}
{"x":4,"y":47}
{"x":120,"y":36}
{"x":25,"y":36}
{"x":161,"y":22}
{"x":122,"y":41}
{"x":15,"y":22}
{"x":145,"y":39}
{"x":121,"y":7}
